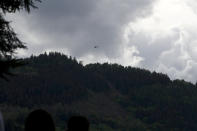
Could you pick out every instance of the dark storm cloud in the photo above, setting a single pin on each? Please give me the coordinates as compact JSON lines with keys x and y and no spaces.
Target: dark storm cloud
{"x":79,"y":25}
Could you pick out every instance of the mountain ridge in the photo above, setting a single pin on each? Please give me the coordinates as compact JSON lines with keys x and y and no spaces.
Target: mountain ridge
{"x":111,"y":96}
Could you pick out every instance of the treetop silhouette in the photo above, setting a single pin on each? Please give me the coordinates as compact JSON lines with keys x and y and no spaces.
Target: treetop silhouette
{"x":9,"y":42}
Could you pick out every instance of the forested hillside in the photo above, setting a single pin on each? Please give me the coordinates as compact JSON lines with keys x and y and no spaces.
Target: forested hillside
{"x":111,"y":96}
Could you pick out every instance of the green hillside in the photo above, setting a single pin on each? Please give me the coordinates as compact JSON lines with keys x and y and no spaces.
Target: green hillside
{"x":112,"y":97}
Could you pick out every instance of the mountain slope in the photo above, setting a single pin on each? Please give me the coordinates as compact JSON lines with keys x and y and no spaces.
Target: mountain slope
{"x":111,"y":96}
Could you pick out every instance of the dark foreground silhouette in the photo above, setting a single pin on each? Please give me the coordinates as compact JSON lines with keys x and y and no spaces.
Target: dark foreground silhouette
{"x":39,"y":120}
{"x":1,"y":122}
{"x":78,"y":123}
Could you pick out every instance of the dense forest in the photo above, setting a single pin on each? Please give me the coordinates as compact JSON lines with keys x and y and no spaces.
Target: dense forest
{"x":111,"y":96}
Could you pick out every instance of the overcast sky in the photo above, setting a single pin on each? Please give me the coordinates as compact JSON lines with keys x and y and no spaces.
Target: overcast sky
{"x":158,"y":35}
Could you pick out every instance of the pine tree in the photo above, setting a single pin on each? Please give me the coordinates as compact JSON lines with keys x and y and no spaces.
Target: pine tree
{"x":9,"y":42}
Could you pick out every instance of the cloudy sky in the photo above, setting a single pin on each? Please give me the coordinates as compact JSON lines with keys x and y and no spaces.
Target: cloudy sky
{"x":157,"y":35}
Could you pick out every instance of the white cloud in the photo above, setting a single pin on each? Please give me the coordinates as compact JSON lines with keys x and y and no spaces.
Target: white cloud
{"x":167,"y":40}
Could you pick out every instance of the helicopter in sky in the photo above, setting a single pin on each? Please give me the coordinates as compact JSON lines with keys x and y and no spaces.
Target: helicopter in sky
{"x":96,"y":46}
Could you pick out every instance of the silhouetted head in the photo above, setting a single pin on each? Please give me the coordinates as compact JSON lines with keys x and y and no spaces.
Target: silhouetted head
{"x":39,"y":120}
{"x":78,"y":123}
